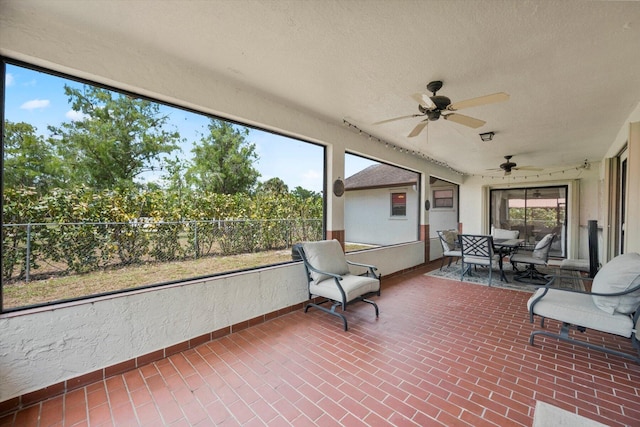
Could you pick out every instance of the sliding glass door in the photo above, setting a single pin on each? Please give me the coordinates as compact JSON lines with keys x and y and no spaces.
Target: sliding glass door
{"x":534,"y":211}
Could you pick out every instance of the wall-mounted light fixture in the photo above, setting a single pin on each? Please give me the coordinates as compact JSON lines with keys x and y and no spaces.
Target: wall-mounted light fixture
{"x":487,"y":136}
{"x":338,"y":187}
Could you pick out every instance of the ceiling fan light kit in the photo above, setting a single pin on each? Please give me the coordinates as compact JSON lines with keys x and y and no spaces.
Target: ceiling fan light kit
{"x":435,"y":106}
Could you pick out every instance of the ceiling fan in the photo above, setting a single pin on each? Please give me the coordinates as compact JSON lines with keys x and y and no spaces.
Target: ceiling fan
{"x":435,"y":106}
{"x":509,"y":166}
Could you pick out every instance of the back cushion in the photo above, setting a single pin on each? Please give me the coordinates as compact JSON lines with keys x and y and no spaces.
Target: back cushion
{"x":501,"y":233}
{"x":542,"y":247}
{"x":619,"y":274}
{"x":325,"y":255}
{"x":450,"y":237}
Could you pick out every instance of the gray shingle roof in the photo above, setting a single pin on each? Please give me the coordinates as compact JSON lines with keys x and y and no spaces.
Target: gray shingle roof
{"x":379,"y":176}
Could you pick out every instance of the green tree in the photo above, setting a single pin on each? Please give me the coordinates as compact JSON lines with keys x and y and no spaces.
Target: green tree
{"x":303,"y":193}
{"x":274,"y":186}
{"x":223,"y":160}
{"x":117,"y":138}
{"x":28,"y":160}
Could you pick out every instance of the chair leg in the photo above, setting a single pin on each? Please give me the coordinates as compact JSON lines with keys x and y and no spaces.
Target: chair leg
{"x":530,"y":275}
{"x":332,"y":311}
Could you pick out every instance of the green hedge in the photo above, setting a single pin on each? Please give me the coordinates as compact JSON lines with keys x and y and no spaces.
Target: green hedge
{"x":82,"y":230}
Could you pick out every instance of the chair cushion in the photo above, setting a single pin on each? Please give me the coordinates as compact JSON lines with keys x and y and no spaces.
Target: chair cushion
{"x":478,"y":260}
{"x":501,"y":233}
{"x":542,"y":247}
{"x":579,"y":309}
{"x":618,"y":275}
{"x":354,"y":286}
{"x":450,"y":238}
{"x":325,"y":255}
{"x":526,"y":258}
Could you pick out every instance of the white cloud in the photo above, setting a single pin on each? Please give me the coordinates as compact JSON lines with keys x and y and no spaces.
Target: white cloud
{"x":9,"y":80}
{"x":35,"y":103}
{"x":74,"y":115}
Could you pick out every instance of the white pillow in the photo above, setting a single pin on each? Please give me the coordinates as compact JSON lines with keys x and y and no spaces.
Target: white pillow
{"x":325,"y":255}
{"x":541,"y":249}
{"x":619,"y":274}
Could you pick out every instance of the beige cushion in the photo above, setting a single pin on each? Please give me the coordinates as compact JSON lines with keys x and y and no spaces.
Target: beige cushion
{"x":501,"y":233}
{"x":325,"y":255}
{"x":353,"y":286}
{"x":542,"y":247}
{"x":450,"y":238}
{"x":579,"y":309}
{"x":618,"y":275}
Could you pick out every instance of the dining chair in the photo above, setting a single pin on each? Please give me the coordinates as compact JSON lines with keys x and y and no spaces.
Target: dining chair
{"x":539,"y":256}
{"x":450,"y":246}
{"x":477,"y":250}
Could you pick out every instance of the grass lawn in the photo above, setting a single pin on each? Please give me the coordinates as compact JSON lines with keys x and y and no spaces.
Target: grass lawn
{"x":58,"y":288}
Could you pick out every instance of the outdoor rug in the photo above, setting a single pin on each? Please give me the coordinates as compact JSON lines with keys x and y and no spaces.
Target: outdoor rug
{"x":570,"y":279}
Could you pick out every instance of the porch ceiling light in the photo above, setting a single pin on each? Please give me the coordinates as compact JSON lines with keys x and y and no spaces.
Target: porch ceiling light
{"x":487,"y":136}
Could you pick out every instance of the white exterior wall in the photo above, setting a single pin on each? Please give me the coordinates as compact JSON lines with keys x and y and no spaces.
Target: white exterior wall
{"x":367,"y":217}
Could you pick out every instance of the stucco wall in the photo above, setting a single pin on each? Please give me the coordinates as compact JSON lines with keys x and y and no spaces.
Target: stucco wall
{"x":49,"y":346}
{"x":367,"y":217}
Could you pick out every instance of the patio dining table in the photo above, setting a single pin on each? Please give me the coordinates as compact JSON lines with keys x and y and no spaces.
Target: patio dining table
{"x":504,"y":247}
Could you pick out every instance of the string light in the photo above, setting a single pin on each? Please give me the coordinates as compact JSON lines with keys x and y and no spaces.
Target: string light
{"x":413,"y":153}
{"x":586,"y":165}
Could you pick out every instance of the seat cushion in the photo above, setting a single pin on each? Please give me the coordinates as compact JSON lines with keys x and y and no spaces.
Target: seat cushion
{"x":477,"y":260}
{"x":618,"y":275}
{"x":579,"y":309}
{"x":325,"y":255}
{"x":526,"y":258}
{"x":354,"y":286}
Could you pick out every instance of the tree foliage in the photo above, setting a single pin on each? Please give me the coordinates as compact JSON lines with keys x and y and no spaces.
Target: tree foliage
{"x":223,"y":160}
{"x":29,"y":161}
{"x":117,"y":137}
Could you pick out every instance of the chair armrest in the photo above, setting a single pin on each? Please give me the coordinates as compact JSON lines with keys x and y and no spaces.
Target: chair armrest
{"x":575,"y":291}
{"x":312,"y":268}
{"x":372,"y":268}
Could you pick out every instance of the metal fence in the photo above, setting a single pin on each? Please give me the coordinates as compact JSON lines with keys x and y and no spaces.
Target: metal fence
{"x":31,"y":251}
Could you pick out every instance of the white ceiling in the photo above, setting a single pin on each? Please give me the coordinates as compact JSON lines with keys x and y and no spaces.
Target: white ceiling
{"x":572,"y":68}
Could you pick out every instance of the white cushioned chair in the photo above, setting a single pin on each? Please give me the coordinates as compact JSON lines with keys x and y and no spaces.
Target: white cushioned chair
{"x":329,"y":277}
{"x":612,"y":306}
{"x":450,"y":246}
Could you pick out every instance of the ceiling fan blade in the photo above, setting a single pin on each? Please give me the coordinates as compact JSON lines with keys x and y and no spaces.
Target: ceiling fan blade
{"x":527,"y":168}
{"x":482,"y":100}
{"x":424,"y":100}
{"x":464,"y":120}
{"x":416,"y":130}
{"x":398,"y":118}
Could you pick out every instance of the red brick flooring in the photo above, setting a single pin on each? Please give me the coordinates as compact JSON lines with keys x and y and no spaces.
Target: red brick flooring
{"x":441,"y":353}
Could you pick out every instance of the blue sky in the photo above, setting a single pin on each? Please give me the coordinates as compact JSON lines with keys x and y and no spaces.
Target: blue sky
{"x":38,"y":98}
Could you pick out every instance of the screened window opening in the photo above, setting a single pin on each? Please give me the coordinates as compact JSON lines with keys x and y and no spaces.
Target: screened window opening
{"x":534,"y":212}
{"x":381,"y":205}
{"x":106,"y":191}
